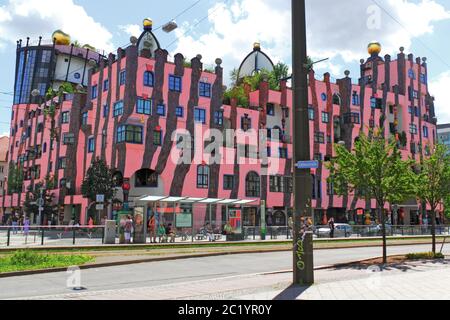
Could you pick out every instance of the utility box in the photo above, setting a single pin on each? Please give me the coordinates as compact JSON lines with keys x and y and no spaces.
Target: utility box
{"x":110,"y":232}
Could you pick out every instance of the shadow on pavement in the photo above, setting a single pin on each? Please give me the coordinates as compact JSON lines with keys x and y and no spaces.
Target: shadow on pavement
{"x":411,"y":265}
{"x":291,"y":293}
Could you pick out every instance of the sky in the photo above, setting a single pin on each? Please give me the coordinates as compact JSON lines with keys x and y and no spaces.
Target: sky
{"x":227,"y":29}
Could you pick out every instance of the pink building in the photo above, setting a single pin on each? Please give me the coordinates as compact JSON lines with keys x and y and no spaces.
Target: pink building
{"x":141,"y":112}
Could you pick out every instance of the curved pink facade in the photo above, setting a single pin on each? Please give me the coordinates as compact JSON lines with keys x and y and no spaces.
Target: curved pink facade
{"x":396,"y":83}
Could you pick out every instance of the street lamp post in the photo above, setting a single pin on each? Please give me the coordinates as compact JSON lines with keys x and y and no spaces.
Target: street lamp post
{"x":303,"y":268}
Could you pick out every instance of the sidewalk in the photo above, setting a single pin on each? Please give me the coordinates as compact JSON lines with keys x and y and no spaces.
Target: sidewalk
{"x":412,"y":281}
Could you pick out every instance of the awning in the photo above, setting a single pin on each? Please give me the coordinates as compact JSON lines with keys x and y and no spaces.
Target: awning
{"x":193,"y":200}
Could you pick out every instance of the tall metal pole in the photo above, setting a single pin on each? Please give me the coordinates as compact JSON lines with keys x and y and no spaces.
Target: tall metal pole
{"x":303,"y":241}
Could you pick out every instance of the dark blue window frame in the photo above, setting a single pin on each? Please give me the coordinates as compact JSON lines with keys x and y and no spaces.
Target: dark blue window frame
{"x":205,"y":89}
{"x":175,"y":83}
{"x":200,"y":115}
{"x":91,"y":145}
{"x":161,"y":110}
{"x":180,"y":112}
{"x":106,"y":85}
{"x":122,"y":77}
{"x":105,"y":110}
{"x":118,"y":109}
{"x":144,"y":106}
{"x":218,"y":118}
{"x":84,"y":118}
{"x":149,"y":79}
{"x":94,"y":92}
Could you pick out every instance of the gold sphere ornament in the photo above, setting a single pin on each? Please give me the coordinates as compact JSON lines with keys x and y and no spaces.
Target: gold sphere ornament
{"x":257,"y":46}
{"x":61,"y":38}
{"x":374,"y":48}
{"x":148,"y":23}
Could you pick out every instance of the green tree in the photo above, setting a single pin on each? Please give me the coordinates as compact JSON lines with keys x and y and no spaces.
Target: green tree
{"x":15,"y":178}
{"x":33,"y":195}
{"x":374,"y":166}
{"x":280,"y":71}
{"x":433,"y":184}
{"x":98,"y":180}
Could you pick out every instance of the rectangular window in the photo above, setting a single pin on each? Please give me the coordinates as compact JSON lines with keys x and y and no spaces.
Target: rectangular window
{"x":423,"y":78}
{"x":270,"y":109}
{"x":129,"y":134}
{"x":425,"y":132}
{"x":416,"y":111}
{"x":246,"y":123}
{"x":413,"y":128}
{"x":180,"y":112}
{"x":144,"y":106}
{"x":94,"y":92}
{"x":319,"y":137}
{"x":122,"y":77}
{"x":311,"y":113}
{"x":161,"y":110}
{"x":68,"y":138}
{"x":157,"y":137}
{"x":106,"y":85}
{"x":205,"y":89}
{"x":283,"y":153}
{"x":276,"y":184}
{"x":65,"y":117}
{"x":174,"y":83}
{"x":118,"y":108}
{"x":352,"y":118}
{"x":84,"y":118}
{"x":376,"y":103}
{"x":105,"y":111}
{"x":91,"y":145}
{"x":218,"y":118}
{"x":200,"y":115}
{"x":228,"y":182}
{"x":355,"y":98}
{"x":325,"y":117}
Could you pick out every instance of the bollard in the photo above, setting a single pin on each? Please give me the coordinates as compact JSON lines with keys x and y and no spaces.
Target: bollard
{"x":73,"y":235}
{"x":254,"y":233}
{"x":9,"y":237}
{"x":42,"y":236}
{"x":103,"y":236}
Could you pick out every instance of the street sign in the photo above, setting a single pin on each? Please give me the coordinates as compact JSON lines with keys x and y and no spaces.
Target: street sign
{"x":307,"y":164}
{"x":100,"y":198}
{"x":99,"y":206}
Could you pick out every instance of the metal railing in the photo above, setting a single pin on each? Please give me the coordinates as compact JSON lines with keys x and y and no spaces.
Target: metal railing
{"x":51,"y":235}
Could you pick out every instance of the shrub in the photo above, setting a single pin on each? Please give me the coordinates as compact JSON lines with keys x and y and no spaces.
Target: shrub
{"x":425,"y":255}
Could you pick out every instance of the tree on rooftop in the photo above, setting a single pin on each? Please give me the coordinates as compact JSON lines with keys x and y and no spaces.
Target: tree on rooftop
{"x":376,"y":167}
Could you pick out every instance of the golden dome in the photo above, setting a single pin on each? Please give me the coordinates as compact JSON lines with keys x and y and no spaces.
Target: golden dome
{"x":148,"y":23}
{"x":61,"y":38}
{"x":374,"y":48}
{"x":257,"y":46}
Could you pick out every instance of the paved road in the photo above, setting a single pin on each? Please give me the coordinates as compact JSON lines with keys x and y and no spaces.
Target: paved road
{"x":168,"y":272}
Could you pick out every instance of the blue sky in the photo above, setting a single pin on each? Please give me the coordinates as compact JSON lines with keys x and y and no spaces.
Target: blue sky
{"x":339,"y":30}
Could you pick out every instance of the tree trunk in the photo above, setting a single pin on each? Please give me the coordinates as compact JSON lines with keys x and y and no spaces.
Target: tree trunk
{"x":433,"y":230}
{"x":383,"y":231}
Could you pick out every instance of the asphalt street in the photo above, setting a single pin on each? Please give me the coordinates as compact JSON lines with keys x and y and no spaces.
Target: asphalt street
{"x":179,"y":271}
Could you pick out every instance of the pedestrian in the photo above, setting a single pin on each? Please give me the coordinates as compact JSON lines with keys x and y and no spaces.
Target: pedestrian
{"x":14,"y":224}
{"x":162,"y":233}
{"x":332,"y":227}
{"x":91,"y":223}
{"x":26,"y":226}
{"x":170,"y":233}
{"x":128,"y":229}
{"x":209,"y":232}
{"x":291,"y":226}
{"x":152,"y":229}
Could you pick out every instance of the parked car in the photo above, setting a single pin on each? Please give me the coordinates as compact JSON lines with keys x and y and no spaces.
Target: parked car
{"x":342,"y":230}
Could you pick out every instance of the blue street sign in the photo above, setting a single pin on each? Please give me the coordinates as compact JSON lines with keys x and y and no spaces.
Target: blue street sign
{"x":307,"y":165}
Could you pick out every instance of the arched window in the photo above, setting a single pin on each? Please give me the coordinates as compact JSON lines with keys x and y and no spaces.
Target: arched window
{"x":146,"y":178}
{"x":148,"y":79}
{"x":202,"y":177}
{"x":280,"y":133}
{"x":252,"y":185}
{"x":337,"y":99}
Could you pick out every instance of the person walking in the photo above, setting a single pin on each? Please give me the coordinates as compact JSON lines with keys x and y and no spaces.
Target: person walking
{"x":26,"y":226}
{"x":332,"y":227}
{"x":209,"y":232}
{"x":171,"y":233}
{"x":128,"y":229}
{"x":14,"y":224}
{"x":152,"y":229}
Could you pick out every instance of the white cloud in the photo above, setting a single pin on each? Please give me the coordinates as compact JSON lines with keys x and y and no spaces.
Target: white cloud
{"x":34,"y":18}
{"x":4,"y":134}
{"x":439,"y":87}
{"x":338,"y":30}
{"x":131,"y":29}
